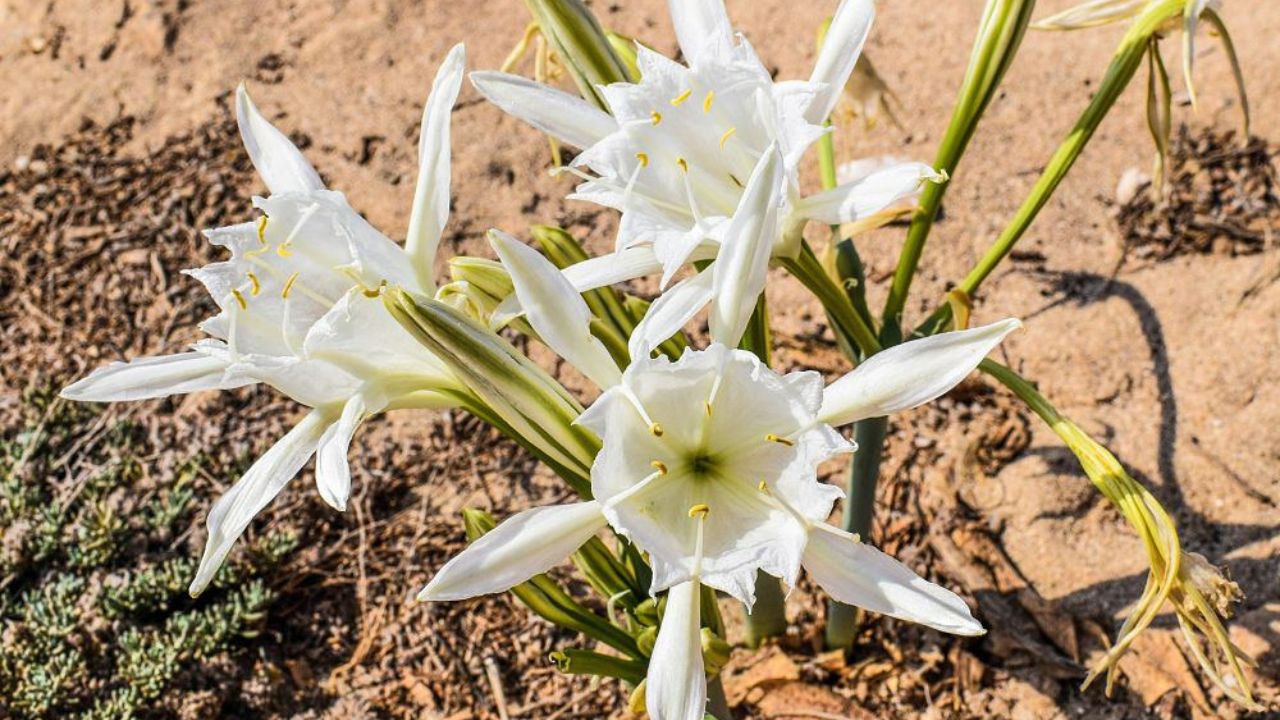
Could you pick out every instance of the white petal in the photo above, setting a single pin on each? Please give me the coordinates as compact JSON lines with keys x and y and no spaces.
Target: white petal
{"x":555,"y":309}
{"x":525,"y":545}
{"x":231,"y":514}
{"x":154,"y":377}
{"x":743,"y":263}
{"x":333,"y":473}
{"x":910,"y":374}
{"x":845,"y":38}
{"x":869,"y":195}
{"x":676,"y":685}
{"x":699,"y":24}
{"x":565,"y":117}
{"x":857,"y":574}
{"x":431,"y":197}
{"x":620,"y":266}
{"x":279,"y":162}
{"x":671,"y":311}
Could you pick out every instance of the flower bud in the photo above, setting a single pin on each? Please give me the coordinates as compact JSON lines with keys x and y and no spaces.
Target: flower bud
{"x":574,"y":33}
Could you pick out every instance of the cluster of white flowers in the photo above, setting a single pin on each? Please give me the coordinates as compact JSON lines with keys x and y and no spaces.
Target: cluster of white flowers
{"x":709,"y":463}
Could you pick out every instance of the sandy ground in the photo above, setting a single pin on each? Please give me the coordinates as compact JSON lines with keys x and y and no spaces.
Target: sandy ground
{"x":1173,"y":363}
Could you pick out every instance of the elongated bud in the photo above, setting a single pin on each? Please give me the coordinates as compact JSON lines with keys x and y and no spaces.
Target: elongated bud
{"x":647,"y":612}
{"x":574,"y":33}
{"x":646,"y":639}
{"x":1199,"y":594}
{"x":479,"y":286}
{"x":715,"y":652}
{"x":516,"y":396}
{"x":586,"y":662}
{"x":625,"y":47}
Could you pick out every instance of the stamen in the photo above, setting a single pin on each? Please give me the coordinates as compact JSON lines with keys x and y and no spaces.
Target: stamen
{"x":375,"y":292}
{"x":288,"y":285}
{"x":631,"y":182}
{"x":656,"y":429}
{"x":262,"y":229}
{"x":240,"y":299}
{"x":633,"y":490}
{"x":678,"y":100}
{"x":283,"y":250}
{"x":707,"y":406}
{"x":764,"y":487}
{"x":688,"y":191}
{"x":699,"y":511}
{"x":643,"y":158}
{"x":684,"y":164}
{"x":257,"y":251}
{"x":257,"y":286}
{"x":727,"y":134}
{"x":779,"y":439}
{"x":660,"y":466}
{"x":706,"y":103}
{"x":655,"y":117}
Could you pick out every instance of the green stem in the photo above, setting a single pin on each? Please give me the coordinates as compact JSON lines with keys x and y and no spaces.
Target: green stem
{"x":1000,"y":34}
{"x":859,"y":508}
{"x":1125,"y":62}
{"x":768,"y":617}
{"x":845,"y":320}
{"x":717,"y":703}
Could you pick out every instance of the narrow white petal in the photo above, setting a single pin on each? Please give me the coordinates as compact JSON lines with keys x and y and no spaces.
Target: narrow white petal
{"x":564,"y":117}
{"x":910,"y":374}
{"x":431,"y":197}
{"x":232,"y":513}
{"x":154,"y":377}
{"x":555,"y":309}
{"x":743,"y":264}
{"x":857,"y":574}
{"x":525,"y":545}
{"x":616,"y":267}
{"x":845,"y":38}
{"x":671,"y":311}
{"x":279,"y":162}
{"x":333,"y":473}
{"x":699,"y":24}
{"x":869,"y":195}
{"x":676,"y":685}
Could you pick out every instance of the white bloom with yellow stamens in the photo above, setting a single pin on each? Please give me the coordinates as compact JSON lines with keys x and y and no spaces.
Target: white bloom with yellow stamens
{"x":299,"y":310}
{"x":675,"y":153}
{"x":709,"y":465}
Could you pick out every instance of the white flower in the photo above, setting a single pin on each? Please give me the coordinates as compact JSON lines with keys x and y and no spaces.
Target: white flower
{"x":679,"y":148}
{"x":709,"y":464}
{"x":300,"y":311}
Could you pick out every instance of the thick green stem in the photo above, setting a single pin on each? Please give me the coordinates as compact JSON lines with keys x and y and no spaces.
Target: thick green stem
{"x":845,"y":320}
{"x":717,"y":703}
{"x":1125,"y":62}
{"x":1004,"y":23}
{"x":768,"y":617}
{"x":859,"y":508}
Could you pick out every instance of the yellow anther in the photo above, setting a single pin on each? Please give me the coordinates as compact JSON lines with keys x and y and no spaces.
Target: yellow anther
{"x":706,"y":405}
{"x":262,"y":229}
{"x":288,"y":285}
{"x":257,"y":286}
{"x":706,"y":102}
{"x":257,"y":251}
{"x":643,"y":158}
{"x":656,"y":429}
{"x":374,"y":292}
{"x":655,"y":117}
{"x":679,"y":99}
{"x":660,"y":466}
{"x":684,"y":164}
{"x":763,"y":487}
{"x":240,"y":299}
{"x":284,"y":251}
{"x":699,"y":511}
{"x":727,"y":134}
{"x":778,"y":439}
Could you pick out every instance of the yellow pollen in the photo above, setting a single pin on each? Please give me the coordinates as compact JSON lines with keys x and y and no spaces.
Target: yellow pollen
{"x":679,"y":99}
{"x":699,"y":511}
{"x":643,"y":158}
{"x":656,"y":429}
{"x":727,"y":134}
{"x":656,"y":117}
{"x":763,"y":487}
{"x":660,"y":466}
{"x":240,"y":299}
{"x":262,"y":229}
{"x":284,"y":251}
{"x":780,"y":440}
{"x":374,"y":292}
{"x":257,"y":286}
{"x":288,"y":285}
{"x":706,"y":103}
{"x":707,"y":405}
{"x":684,"y":164}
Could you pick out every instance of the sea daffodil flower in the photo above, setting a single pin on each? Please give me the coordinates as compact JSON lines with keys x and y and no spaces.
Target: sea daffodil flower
{"x":709,"y":464}
{"x":676,"y":150}
{"x":300,"y":312}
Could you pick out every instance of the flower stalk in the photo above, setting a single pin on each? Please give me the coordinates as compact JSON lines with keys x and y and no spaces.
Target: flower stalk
{"x":1201,"y":597}
{"x":576,"y":36}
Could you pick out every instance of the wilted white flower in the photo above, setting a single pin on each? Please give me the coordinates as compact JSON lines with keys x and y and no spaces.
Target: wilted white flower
{"x":709,"y":464}
{"x":299,"y":310}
